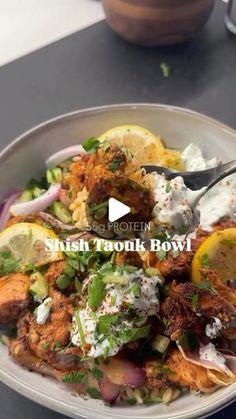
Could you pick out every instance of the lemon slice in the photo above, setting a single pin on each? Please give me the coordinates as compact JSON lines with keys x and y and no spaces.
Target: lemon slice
{"x":142,"y":143}
{"x":26,"y":242}
{"x":217,"y":252}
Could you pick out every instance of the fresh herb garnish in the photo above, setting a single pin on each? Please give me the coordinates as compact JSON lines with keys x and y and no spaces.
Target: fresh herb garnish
{"x":96,"y":292}
{"x":114,"y":164}
{"x":195,"y":299}
{"x":203,"y":285}
{"x":205,"y":261}
{"x":97,"y":373}
{"x":105,"y":322}
{"x":168,"y":186}
{"x":63,"y":281}
{"x":165,"y":370}
{"x":189,"y":341}
{"x":8,"y":263}
{"x":91,"y":145}
{"x":175,"y":253}
{"x":131,"y":402}
{"x":94,"y":392}
{"x":44,"y":345}
{"x":161,"y":254}
{"x":106,"y":146}
{"x":57,"y":345}
{"x":75,"y":377}
{"x":129,"y":335}
{"x":80,"y":329}
{"x":78,"y":285}
{"x":99,"y":210}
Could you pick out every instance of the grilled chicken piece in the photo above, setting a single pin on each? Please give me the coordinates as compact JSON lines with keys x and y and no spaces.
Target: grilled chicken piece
{"x":177,"y":371}
{"x":220,"y":286}
{"x":54,"y":271}
{"x":188,"y":307}
{"x":14,"y":297}
{"x":179,"y":267}
{"x":20,"y":353}
{"x":129,"y":258}
{"x":90,"y":168}
{"x":32,"y":218}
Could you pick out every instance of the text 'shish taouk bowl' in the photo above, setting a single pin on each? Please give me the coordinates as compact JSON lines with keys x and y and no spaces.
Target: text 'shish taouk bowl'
{"x":136,"y":330}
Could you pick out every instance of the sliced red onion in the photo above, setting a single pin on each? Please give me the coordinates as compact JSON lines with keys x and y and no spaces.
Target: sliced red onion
{"x":109,"y":391}
{"x":194,"y":358}
{"x":55,"y":222}
{"x":123,"y":372}
{"x":38,"y":204}
{"x":64,"y":154}
{"x":85,"y":235}
{"x":4,"y":210}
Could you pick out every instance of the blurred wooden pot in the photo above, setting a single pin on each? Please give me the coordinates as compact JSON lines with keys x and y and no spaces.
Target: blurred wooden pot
{"x":157,"y":22}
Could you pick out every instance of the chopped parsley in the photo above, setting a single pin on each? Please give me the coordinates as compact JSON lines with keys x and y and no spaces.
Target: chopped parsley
{"x":168,"y":186}
{"x":44,"y":345}
{"x":91,"y":145}
{"x":195,"y":299}
{"x":106,"y":146}
{"x":114,"y":164}
{"x":8,"y":263}
{"x":105,"y":322}
{"x":129,"y":335}
{"x":165,"y":68}
{"x":96,"y":292}
{"x":165,"y":370}
{"x":63,"y":281}
{"x":57,"y":345}
{"x":94,"y":392}
{"x":204,"y":285}
{"x":175,"y":253}
{"x":78,"y":285}
{"x":205,"y":261}
{"x":97,"y":373}
{"x":75,"y":377}
{"x":161,"y":254}
{"x":99,"y":210}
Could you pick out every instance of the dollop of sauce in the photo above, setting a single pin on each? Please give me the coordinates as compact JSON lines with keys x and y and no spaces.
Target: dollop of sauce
{"x":43,"y":311}
{"x":137,"y":292}
{"x":209,"y":353}
{"x":193,"y":159}
{"x":175,"y":204}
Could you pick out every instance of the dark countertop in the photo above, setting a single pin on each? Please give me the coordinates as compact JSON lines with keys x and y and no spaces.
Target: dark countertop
{"x":94,"y":67}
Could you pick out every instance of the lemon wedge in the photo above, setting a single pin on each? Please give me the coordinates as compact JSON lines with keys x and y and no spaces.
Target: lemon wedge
{"x":146,"y":147}
{"x":26,"y":242}
{"x":142,"y":143}
{"x":217,"y":252}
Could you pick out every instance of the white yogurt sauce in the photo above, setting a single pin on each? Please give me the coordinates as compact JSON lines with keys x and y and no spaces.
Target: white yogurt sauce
{"x":43,"y":311}
{"x":194,"y":160}
{"x":219,"y":202}
{"x":212,"y":329}
{"x":118,"y":296}
{"x":174,"y":203}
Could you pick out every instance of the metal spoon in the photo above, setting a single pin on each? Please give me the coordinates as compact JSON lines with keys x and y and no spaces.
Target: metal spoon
{"x":202,"y":180}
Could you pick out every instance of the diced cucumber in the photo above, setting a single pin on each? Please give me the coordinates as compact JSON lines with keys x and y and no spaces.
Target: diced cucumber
{"x":39,"y":286}
{"x":61,"y":212}
{"x":26,"y":196}
{"x":54,"y":175}
{"x":115,"y":279}
{"x":160,"y":343}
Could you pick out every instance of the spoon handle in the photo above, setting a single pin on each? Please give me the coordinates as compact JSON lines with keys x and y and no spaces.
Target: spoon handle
{"x":223,"y":171}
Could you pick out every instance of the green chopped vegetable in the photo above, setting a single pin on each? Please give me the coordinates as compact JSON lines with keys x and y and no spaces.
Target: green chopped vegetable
{"x":61,"y":212}
{"x":96,"y":292}
{"x":57,"y":345}
{"x":78,"y":285}
{"x":26,"y":196}
{"x":63,"y":281}
{"x":160,"y":343}
{"x":114,"y":164}
{"x":129,"y":335}
{"x":75,"y":377}
{"x":99,"y":210}
{"x":37,"y":191}
{"x":161,"y":254}
{"x":165,"y":68}
{"x":54,"y":175}
{"x":175,"y":253}
{"x":165,"y":370}
{"x":8,"y":263}
{"x":131,"y":402}
{"x":91,"y":145}
{"x":39,"y":286}
{"x":205,"y":261}
{"x":80,"y":328}
{"x":152,"y":272}
{"x":195,"y":299}
{"x":105,"y":322}
{"x":168,"y":186}
{"x":94,"y":392}
{"x":204,"y":285}
{"x":97,"y":373}
{"x":106,"y":146}
{"x":44,"y":345}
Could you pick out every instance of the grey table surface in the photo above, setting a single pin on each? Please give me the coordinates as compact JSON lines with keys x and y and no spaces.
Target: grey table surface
{"x":95,"y":67}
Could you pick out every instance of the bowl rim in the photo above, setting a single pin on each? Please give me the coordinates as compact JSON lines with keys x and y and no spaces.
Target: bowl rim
{"x":25,"y":388}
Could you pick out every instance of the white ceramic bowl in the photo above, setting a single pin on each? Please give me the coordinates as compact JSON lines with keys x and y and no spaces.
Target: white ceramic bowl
{"x":24,"y":159}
